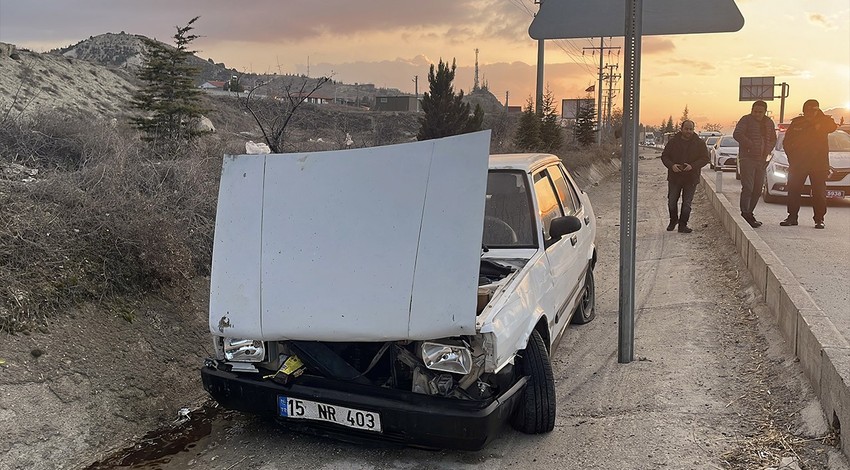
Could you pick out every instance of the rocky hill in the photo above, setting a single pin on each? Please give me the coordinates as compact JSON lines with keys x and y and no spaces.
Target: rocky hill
{"x":30,"y":81}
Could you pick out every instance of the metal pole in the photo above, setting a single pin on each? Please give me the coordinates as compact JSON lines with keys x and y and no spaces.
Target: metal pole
{"x":599,"y":94}
{"x":783,"y":93}
{"x":628,"y":202}
{"x":540,"y":48}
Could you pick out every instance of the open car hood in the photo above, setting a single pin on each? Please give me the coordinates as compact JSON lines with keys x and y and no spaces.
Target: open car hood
{"x":369,"y":244}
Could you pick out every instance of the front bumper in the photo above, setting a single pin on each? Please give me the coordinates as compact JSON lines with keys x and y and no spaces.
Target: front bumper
{"x":407,"y":418}
{"x":727,"y":163}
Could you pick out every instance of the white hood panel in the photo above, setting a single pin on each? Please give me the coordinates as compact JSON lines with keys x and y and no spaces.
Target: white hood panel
{"x":358,"y":245}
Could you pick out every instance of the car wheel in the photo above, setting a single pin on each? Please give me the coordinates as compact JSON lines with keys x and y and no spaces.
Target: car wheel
{"x":586,"y":311}
{"x":768,"y":197}
{"x":535,"y":413}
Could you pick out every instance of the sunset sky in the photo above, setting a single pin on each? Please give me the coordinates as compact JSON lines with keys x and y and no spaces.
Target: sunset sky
{"x":805,"y":43}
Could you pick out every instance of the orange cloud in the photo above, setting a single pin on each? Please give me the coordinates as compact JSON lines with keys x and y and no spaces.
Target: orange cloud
{"x":819,"y":19}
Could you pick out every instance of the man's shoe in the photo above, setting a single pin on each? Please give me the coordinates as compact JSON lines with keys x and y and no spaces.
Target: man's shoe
{"x":685,"y":229}
{"x":672,"y":225}
{"x":819,"y":225}
{"x":788,"y":222}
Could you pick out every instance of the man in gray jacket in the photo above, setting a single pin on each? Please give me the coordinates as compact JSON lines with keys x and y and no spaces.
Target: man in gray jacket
{"x":756,"y":135}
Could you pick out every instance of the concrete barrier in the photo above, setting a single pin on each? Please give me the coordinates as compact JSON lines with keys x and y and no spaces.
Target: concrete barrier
{"x":823,"y":352}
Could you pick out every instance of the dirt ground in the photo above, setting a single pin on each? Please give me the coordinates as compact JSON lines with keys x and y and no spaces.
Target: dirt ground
{"x":712,"y":384}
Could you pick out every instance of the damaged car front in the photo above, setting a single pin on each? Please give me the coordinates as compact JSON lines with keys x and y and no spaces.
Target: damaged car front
{"x":351,"y":293}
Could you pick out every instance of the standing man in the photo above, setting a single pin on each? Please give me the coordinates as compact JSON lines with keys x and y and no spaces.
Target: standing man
{"x":756,"y":135}
{"x":807,"y":146}
{"x":683,"y":156}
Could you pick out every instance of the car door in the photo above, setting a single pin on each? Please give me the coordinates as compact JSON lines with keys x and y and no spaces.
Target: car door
{"x":563,"y":256}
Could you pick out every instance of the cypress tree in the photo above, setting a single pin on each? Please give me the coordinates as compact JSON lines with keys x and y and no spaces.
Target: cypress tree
{"x":169,"y":101}
{"x":527,"y":136}
{"x":585,"y":132}
{"x":445,"y":113}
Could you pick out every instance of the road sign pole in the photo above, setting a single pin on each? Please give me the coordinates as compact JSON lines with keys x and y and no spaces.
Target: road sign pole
{"x":628,"y":202}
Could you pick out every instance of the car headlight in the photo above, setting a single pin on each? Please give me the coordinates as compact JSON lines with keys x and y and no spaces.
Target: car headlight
{"x":243,"y":350}
{"x":447,"y":357}
{"x":780,"y":171}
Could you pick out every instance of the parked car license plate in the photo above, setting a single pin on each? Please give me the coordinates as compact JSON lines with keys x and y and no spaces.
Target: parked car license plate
{"x":834,"y":193}
{"x":296,"y":408}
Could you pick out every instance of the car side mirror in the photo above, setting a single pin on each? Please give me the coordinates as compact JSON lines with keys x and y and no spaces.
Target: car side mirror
{"x":561,"y":226}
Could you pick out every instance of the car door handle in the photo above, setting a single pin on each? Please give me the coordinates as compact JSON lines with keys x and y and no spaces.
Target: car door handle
{"x":574,"y":240}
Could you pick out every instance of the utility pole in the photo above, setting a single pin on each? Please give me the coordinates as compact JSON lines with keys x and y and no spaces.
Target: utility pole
{"x":610,"y":76}
{"x":540,"y":47}
{"x":475,"y":85}
{"x":601,"y":49}
{"x":416,"y":85}
{"x":507,"y":95}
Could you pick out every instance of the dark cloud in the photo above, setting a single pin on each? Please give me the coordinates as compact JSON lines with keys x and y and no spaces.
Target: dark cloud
{"x":256,"y":21}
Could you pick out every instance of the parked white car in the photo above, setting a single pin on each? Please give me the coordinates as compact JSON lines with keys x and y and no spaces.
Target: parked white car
{"x":724,"y":153}
{"x":412,"y":292}
{"x":837,"y":183}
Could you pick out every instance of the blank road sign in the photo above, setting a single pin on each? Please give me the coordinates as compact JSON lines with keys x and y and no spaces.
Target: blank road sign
{"x":756,"y":88}
{"x":564,"y":19}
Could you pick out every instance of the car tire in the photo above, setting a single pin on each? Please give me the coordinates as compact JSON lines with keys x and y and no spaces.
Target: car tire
{"x":586,"y":310}
{"x":535,"y":413}
{"x":769,"y":198}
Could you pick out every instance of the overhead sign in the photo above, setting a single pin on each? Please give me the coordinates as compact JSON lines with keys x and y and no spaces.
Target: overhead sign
{"x":756,"y":88}
{"x":564,"y":19}
{"x":570,"y":107}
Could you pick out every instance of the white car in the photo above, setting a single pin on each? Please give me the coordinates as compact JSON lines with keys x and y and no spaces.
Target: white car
{"x":724,"y":153}
{"x":837,"y":183}
{"x":710,"y":140}
{"x":412,"y":292}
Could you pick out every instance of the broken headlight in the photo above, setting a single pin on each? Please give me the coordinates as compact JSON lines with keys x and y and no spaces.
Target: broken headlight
{"x":447,"y":357}
{"x":243,"y":350}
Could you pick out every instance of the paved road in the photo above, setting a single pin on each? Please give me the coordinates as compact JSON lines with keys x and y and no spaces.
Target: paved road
{"x":819,"y":259}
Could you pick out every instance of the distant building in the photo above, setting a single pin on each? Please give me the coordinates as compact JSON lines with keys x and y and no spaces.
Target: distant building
{"x":213,"y":85}
{"x":396,"y":103}
{"x":514,"y":109}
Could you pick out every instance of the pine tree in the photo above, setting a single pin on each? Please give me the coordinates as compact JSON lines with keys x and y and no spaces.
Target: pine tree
{"x":169,"y":101}
{"x":445,"y":113}
{"x":527,"y":136}
{"x":585,"y":127}
{"x":669,"y":126}
{"x":550,"y":127}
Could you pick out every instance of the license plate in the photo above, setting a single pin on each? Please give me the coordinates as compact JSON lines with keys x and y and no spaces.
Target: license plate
{"x":834,"y":193}
{"x":296,"y":408}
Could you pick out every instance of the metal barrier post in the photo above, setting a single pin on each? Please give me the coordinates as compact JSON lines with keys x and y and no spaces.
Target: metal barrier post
{"x":718,"y":179}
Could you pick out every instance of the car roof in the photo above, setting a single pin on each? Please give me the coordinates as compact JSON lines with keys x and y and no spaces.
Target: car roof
{"x":521,"y":161}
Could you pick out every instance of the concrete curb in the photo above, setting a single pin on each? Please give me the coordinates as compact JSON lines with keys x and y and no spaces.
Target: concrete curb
{"x":823,"y":352}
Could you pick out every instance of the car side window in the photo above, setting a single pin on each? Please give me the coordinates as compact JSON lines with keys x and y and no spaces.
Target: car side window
{"x":547,"y":201}
{"x":566,"y":194}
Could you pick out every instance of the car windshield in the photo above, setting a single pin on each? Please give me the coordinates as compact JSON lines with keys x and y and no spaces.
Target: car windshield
{"x":507,"y":212}
{"x":728,"y":142}
{"x":839,"y":141}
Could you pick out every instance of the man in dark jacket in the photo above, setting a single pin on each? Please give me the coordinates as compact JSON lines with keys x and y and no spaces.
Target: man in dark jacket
{"x":683,"y":156}
{"x":807,"y":147}
{"x":756,"y":135}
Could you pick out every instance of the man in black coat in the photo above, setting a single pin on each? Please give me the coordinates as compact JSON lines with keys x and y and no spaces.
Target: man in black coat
{"x":756,"y":135}
{"x":807,"y":147}
{"x":683,"y":156}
